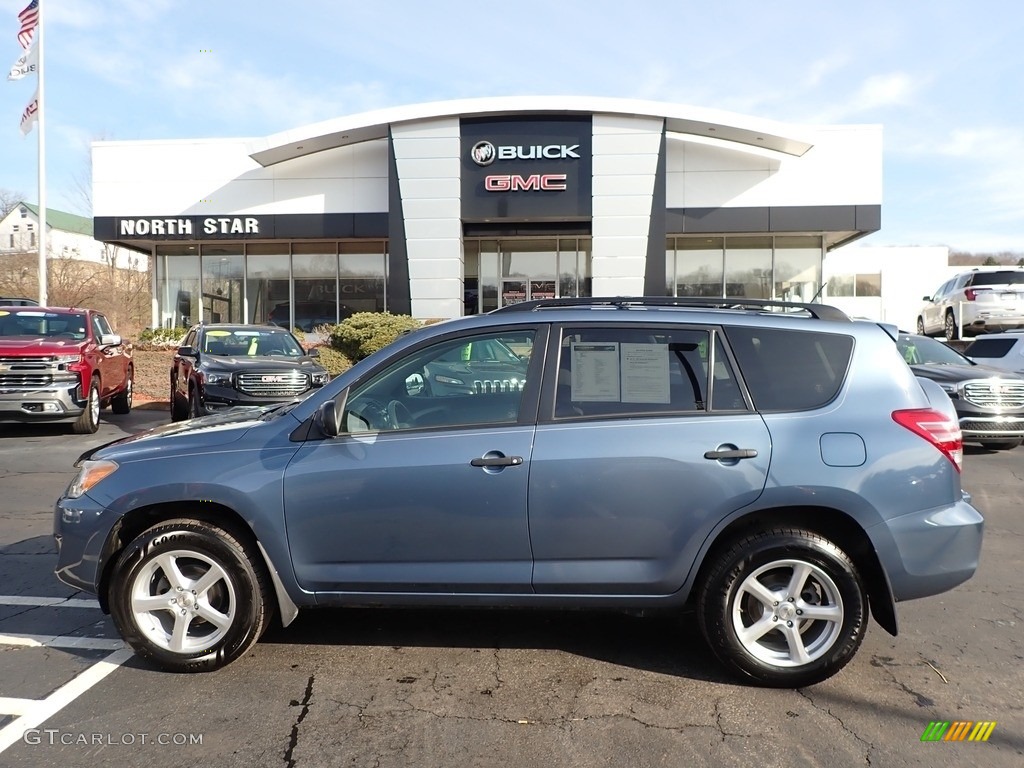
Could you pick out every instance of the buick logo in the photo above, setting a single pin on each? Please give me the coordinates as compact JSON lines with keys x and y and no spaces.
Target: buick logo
{"x":483,"y":153}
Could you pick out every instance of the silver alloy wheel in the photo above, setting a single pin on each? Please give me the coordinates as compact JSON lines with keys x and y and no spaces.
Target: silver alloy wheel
{"x":94,"y":404}
{"x":129,"y":391}
{"x":787,"y":613}
{"x":183,"y":601}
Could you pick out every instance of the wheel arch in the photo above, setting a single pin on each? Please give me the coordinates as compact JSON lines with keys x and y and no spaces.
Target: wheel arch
{"x":138,"y":520}
{"x":833,"y":524}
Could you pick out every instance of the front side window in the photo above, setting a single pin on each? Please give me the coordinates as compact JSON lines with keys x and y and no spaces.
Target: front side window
{"x":637,"y":371}
{"x":473,"y":380}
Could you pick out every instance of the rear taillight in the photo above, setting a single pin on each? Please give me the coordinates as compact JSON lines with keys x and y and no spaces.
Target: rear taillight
{"x":970,"y":294}
{"x":937,"y":428}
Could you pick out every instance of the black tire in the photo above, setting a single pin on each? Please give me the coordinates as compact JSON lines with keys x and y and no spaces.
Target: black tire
{"x":920,"y":327}
{"x":178,"y":413}
{"x":89,"y":420}
{"x":122,"y":401}
{"x":195,"y":407}
{"x":771,"y":558}
{"x":239,"y":596}
{"x":951,"y":329}
{"x":1000,"y":445}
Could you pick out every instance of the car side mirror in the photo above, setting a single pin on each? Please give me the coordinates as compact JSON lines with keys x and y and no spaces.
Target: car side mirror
{"x":187,"y":352}
{"x":415,"y":384}
{"x":314,"y":352}
{"x":110,"y":340}
{"x":329,"y":414}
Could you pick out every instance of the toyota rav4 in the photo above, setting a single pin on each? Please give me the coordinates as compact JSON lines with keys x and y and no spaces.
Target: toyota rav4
{"x":773,"y":472}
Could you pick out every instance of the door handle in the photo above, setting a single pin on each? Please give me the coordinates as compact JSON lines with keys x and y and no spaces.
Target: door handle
{"x":498,"y":461}
{"x":735,"y":453}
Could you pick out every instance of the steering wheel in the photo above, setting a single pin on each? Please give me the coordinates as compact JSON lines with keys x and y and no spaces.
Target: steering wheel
{"x":399,"y":415}
{"x":373,"y":412}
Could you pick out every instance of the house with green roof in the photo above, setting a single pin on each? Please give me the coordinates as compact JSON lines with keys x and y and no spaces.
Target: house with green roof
{"x":68,"y":236}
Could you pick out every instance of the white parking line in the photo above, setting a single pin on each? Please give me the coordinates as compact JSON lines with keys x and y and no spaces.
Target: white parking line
{"x":46,"y":708}
{"x":9,"y":706}
{"x":49,"y":602}
{"x":61,"y":641}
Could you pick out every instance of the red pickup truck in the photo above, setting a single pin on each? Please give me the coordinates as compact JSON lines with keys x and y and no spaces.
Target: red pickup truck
{"x":60,"y":363}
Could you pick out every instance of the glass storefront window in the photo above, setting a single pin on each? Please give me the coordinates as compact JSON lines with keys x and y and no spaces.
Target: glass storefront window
{"x":699,"y":267}
{"x":488,"y":254}
{"x":178,"y":273}
{"x":362,"y":277}
{"x":267,"y":283}
{"x":748,"y":267}
{"x":797,"y":268}
{"x":223,"y":270}
{"x":315,"y":277}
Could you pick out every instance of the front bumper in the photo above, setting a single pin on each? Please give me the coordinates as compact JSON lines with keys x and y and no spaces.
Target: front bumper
{"x":992,"y":427}
{"x":81,"y":530}
{"x":928,"y":552}
{"x":54,"y":402}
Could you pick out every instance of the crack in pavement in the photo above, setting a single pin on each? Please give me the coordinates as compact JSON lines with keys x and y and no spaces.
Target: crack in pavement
{"x":828,"y":711}
{"x":293,"y":739}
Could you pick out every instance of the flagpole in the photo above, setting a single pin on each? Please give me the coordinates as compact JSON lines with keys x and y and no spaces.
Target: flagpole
{"x":42,"y":163}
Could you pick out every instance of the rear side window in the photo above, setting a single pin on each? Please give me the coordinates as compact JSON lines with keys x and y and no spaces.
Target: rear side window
{"x":791,"y":370}
{"x":641,"y":371}
{"x":990,"y":347}
{"x":997,"y":278}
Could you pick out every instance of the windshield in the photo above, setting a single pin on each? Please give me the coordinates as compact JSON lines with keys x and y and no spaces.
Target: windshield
{"x":245,"y":342}
{"x":922,"y":350}
{"x":40,"y":323}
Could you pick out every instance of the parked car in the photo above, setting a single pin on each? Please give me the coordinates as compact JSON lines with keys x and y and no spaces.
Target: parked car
{"x":221,"y":366}
{"x":988,"y":402}
{"x":1004,"y":351}
{"x":59,"y":364}
{"x":11,"y":301}
{"x":308,"y":314}
{"x":974,"y":302}
{"x":783,"y":473}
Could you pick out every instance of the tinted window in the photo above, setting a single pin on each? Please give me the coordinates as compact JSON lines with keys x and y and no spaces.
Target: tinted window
{"x":990,"y":347}
{"x":249,"y":342}
{"x":998,"y":278}
{"x":791,"y":370}
{"x":636,"y":371}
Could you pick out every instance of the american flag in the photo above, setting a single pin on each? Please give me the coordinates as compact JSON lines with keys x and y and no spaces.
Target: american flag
{"x":29,"y":18}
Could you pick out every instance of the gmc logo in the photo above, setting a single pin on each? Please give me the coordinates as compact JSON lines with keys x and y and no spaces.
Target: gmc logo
{"x":273,"y":379}
{"x":548,"y":182}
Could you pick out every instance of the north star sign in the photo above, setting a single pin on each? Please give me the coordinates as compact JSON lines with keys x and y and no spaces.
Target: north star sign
{"x":188,"y":225}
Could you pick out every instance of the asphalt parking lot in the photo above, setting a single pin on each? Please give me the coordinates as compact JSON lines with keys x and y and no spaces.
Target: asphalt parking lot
{"x":457,"y":688}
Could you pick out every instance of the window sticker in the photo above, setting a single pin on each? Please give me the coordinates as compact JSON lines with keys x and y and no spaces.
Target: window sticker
{"x":645,"y":374}
{"x":595,"y":372}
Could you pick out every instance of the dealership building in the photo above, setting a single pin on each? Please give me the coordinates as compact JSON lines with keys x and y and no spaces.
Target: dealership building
{"x":444,"y":209}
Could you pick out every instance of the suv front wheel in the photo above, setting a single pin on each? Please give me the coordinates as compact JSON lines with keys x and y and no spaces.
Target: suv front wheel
{"x":785,"y":607}
{"x":189,"y":596}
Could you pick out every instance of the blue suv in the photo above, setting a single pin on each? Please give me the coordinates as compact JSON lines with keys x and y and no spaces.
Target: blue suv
{"x":774,"y":471}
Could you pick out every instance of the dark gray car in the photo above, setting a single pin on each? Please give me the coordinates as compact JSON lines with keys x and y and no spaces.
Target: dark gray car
{"x":773,"y":472}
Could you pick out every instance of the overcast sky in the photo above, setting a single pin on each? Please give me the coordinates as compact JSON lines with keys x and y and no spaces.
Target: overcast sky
{"x":944,"y":78}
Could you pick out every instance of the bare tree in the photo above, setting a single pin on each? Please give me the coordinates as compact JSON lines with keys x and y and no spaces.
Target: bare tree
{"x":8,"y":199}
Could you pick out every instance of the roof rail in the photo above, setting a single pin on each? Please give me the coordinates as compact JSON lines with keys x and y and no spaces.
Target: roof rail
{"x":817,"y":311}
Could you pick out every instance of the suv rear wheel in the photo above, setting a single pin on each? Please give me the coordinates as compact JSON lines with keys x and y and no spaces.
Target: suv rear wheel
{"x":189,"y":596}
{"x":785,"y":607}
{"x":952,"y":332}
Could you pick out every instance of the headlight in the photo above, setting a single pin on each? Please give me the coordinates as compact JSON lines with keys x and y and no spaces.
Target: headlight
{"x":448,"y":380}
{"x":90,"y":473}
{"x":321,"y":378}
{"x":67,"y":358}
{"x":218,"y":378}
{"x":949,"y":388}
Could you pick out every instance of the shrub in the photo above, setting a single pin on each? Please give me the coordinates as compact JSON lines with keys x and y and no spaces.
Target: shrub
{"x":334,"y":361}
{"x":160,"y":338}
{"x":364,"y":333}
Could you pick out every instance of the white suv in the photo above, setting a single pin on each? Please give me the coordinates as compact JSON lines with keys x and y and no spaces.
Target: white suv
{"x":998,"y":350}
{"x":979,"y":301}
